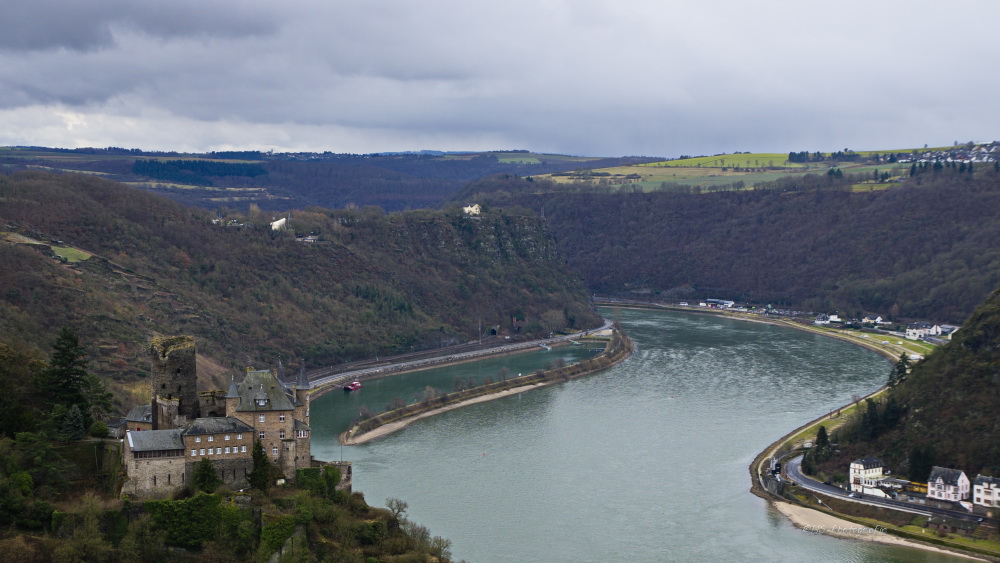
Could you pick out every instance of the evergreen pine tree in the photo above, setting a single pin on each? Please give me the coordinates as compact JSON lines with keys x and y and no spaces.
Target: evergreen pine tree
{"x":73,"y":426}
{"x":260,"y":476}
{"x":64,"y":380}
{"x":902,"y":367}
{"x":205,"y":477}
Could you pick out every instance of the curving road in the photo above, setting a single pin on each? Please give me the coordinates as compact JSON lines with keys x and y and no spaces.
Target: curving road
{"x":793,"y":472}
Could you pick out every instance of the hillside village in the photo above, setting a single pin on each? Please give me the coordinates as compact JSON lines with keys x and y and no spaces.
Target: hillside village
{"x":945,"y":488}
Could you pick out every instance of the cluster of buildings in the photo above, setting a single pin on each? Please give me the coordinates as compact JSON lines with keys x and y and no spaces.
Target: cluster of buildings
{"x":914,"y":331}
{"x":165,"y":439}
{"x":945,"y":488}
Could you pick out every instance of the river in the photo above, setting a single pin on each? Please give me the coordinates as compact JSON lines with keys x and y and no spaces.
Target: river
{"x":646,"y":461}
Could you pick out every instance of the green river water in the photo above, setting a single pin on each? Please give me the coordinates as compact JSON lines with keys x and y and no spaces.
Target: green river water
{"x":646,"y":461}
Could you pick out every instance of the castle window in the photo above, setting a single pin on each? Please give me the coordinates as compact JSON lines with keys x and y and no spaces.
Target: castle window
{"x":227,"y":449}
{"x":239,"y":436}
{"x":202,"y":452}
{"x":197,"y":438}
{"x":281,"y":418}
{"x":243,"y":449}
{"x":274,"y":451}
{"x":211,"y":438}
{"x":227,"y":437}
{"x":260,"y":418}
{"x":281,"y":434}
{"x":261,"y":434}
{"x":194,"y":453}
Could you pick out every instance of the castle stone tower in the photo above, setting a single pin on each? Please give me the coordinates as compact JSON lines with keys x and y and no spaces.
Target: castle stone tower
{"x":174,"y":381}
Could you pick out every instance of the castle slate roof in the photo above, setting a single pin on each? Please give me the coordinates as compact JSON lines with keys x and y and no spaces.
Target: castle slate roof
{"x":299,"y":425}
{"x":216,"y":425}
{"x":233,"y":392}
{"x":267,"y":386}
{"x":154,"y":440}
{"x":947,"y":476}
{"x":141,"y":413}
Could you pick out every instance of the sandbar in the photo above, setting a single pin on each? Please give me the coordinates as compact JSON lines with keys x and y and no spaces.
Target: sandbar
{"x":822,"y":523}
{"x":386,"y":429}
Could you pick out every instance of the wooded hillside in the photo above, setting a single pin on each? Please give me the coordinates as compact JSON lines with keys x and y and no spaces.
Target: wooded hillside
{"x":371,"y":283}
{"x":926,"y":248}
{"x":943,"y":413}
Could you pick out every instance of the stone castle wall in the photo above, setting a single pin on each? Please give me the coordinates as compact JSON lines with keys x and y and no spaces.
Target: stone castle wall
{"x":174,"y":373}
{"x":234,"y":471}
{"x":155,"y":476}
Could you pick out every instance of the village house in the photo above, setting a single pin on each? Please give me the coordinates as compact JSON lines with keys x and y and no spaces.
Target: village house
{"x":918,"y":331}
{"x":986,"y":495}
{"x":865,"y":472}
{"x":947,"y":484}
{"x":473,"y":209}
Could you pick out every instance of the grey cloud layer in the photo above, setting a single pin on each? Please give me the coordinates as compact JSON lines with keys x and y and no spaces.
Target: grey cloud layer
{"x":581,"y":76}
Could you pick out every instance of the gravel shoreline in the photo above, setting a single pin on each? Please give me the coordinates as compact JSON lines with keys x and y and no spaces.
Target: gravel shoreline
{"x":821,"y":523}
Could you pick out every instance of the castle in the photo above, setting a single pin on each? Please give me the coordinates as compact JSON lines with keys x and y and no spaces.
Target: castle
{"x":166,"y":438}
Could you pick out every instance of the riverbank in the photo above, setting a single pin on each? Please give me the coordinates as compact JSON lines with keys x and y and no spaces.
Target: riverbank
{"x":811,"y":519}
{"x":617,"y":349}
{"x":822,"y":523}
{"x":890,"y":351}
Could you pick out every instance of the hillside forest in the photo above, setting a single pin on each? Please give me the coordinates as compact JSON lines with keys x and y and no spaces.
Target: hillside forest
{"x":927,"y":247}
{"x":939,"y":411}
{"x":118,"y":265}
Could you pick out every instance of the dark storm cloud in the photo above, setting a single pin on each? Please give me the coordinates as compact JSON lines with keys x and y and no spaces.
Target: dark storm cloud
{"x":38,"y":25}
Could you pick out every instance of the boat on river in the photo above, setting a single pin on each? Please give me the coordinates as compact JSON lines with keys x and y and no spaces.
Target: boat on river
{"x":352,"y":386}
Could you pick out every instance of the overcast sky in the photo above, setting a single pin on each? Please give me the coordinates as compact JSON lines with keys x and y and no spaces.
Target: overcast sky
{"x":586,"y":77}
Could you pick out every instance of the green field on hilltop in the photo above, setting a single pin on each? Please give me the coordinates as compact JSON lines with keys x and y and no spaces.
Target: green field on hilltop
{"x":750,"y":160}
{"x":728,"y":171}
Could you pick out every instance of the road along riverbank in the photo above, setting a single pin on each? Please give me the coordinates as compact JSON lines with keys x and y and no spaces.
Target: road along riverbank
{"x":813,"y":519}
{"x":617,"y":348}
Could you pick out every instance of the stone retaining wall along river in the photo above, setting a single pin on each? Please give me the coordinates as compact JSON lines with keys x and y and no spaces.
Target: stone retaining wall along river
{"x":617,"y":349}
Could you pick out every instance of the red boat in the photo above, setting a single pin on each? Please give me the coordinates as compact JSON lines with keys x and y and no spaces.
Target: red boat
{"x":352,"y":386}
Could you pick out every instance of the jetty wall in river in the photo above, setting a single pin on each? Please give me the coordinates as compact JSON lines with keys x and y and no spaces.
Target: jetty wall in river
{"x":618,"y":348}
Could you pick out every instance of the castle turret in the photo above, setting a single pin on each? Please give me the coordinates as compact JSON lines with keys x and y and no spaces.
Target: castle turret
{"x":303,"y":382}
{"x":281,"y":374}
{"x":232,"y":397}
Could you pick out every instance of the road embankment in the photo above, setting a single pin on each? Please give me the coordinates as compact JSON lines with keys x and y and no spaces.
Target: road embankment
{"x":617,"y":349}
